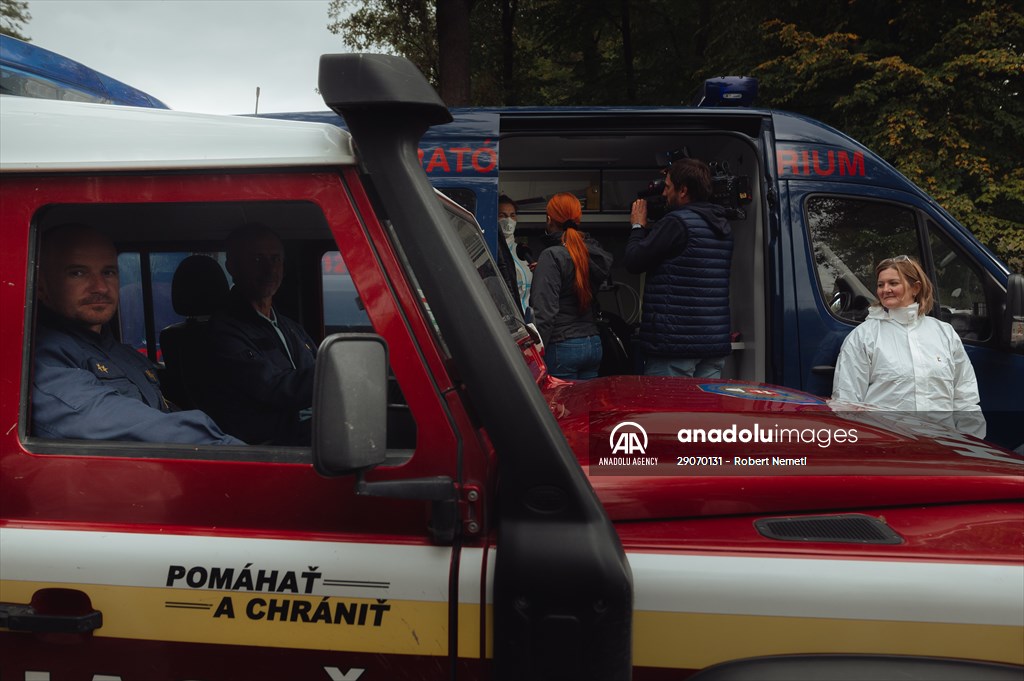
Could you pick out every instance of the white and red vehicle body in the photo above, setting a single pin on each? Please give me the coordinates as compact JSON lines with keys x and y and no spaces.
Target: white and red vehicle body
{"x":496,"y":544}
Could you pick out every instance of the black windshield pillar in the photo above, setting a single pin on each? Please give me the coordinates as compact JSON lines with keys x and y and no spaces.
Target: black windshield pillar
{"x":563,"y":590}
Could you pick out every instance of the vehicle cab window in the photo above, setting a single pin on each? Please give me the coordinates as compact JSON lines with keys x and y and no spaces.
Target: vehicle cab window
{"x":960,"y":293}
{"x":152,"y":242}
{"x":850,"y":236}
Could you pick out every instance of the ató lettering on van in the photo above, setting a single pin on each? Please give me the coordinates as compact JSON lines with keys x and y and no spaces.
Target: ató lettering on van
{"x":458,"y":160}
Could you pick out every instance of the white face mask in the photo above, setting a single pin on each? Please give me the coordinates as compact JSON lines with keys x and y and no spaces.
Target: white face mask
{"x":508,"y":226}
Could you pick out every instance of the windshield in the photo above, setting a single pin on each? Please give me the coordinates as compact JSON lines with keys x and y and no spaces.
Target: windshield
{"x":343,"y":311}
{"x":472,"y":239}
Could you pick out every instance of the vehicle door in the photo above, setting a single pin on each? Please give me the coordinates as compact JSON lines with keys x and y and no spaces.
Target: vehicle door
{"x":841,"y":231}
{"x":124,"y":560}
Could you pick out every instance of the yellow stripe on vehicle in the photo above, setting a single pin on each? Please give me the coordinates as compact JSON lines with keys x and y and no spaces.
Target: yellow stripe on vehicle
{"x":271,"y":620}
{"x":694,"y":641}
{"x":691,"y":610}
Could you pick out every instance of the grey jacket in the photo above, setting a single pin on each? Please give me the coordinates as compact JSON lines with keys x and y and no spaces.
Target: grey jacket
{"x":553,"y":298}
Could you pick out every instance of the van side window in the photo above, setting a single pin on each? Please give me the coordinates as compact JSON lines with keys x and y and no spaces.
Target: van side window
{"x":159,"y":276}
{"x":850,"y":236}
{"x":959,"y":292}
{"x":343,"y":310}
{"x":131,"y":313}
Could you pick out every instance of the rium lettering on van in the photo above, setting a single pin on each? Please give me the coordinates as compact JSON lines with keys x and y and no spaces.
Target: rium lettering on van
{"x":820,"y":163}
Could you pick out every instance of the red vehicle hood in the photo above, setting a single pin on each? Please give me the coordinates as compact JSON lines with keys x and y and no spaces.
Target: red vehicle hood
{"x":672,"y":448}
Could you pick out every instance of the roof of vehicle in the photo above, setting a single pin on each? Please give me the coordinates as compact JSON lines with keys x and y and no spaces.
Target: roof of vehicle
{"x":485,"y":120}
{"x":41,"y":135}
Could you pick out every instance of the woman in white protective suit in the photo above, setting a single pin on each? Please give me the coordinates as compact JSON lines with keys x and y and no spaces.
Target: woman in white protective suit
{"x":905,"y":361}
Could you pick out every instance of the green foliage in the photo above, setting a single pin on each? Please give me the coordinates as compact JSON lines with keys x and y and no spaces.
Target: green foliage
{"x":941,"y":101}
{"x":934,"y":86}
{"x":14,"y":15}
{"x":405,"y":27}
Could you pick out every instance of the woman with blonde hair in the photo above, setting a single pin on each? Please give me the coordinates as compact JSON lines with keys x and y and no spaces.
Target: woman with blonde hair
{"x":903,"y":360}
{"x":562,"y":295}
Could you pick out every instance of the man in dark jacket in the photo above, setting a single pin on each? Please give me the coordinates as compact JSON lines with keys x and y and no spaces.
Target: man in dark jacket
{"x":263,"y":362}
{"x":686,"y":325}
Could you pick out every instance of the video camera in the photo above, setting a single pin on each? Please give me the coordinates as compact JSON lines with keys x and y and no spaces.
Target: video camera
{"x":728,"y":190}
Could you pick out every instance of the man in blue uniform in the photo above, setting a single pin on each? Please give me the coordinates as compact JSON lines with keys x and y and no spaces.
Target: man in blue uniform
{"x":685,"y":327}
{"x":263,"y":362}
{"x":86,"y":385}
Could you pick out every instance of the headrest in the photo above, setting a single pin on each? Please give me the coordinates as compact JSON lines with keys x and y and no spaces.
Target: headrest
{"x":199,"y":286}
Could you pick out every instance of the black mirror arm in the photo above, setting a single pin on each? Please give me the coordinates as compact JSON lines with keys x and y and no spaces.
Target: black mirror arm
{"x":439,"y":490}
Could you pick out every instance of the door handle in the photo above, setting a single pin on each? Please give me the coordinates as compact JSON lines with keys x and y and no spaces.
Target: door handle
{"x":18,"y":617}
{"x":824,"y":370}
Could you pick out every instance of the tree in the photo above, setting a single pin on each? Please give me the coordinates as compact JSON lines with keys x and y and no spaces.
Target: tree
{"x":453,"y":50}
{"x":934,"y":86}
{"x":14,"y":15}
{"x":404,"y":27}
{"x":434,"y":35}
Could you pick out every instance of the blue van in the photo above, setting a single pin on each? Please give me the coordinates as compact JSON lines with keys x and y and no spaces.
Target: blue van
{"x":813,"y":212}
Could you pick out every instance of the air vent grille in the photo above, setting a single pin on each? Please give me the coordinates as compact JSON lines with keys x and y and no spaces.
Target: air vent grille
{"x":850,"y":528}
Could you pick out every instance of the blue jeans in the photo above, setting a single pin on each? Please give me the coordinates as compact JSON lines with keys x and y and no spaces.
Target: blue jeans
{"x":574,"y":358}
{"x":708,"y":367}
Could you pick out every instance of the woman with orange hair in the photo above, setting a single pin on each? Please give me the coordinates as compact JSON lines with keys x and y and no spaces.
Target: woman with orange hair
{"x":562,"y":296}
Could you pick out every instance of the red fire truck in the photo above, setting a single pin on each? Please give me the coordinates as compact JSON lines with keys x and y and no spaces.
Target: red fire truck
{"x":460,"y":513}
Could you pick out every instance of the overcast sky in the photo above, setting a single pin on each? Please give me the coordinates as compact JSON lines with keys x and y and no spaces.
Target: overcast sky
{"x":196,"y":55}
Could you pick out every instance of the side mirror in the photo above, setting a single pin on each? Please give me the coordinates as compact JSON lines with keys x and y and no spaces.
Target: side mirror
{"x":1012,"y":331}
{"x":350,"y":405}
{"x":840,"y":302}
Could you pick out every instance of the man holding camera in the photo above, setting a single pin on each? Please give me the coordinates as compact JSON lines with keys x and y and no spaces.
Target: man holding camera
{"x":686,"y":324}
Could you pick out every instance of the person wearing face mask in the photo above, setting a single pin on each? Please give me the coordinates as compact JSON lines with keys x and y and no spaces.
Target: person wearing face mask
{"x":901,"y":359}
{"x":562,"y":296}
{"x":515,"y":261}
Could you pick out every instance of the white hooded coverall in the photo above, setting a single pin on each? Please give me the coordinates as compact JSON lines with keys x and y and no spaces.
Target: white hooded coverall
{"x":902,"y":361}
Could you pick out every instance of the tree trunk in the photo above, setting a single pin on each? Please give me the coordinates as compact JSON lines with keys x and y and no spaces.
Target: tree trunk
{"x":627,"y":54}
{"x":508,"y":51}
{"x":703,"y":29}
{"x":453,"y":50}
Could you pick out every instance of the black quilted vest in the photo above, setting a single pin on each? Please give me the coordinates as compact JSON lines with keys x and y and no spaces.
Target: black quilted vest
{"x":686,"y":297}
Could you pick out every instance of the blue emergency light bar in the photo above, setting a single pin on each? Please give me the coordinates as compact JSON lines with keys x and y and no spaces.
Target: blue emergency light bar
{"x":28,"y":70}
{"x":727,"y":91}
